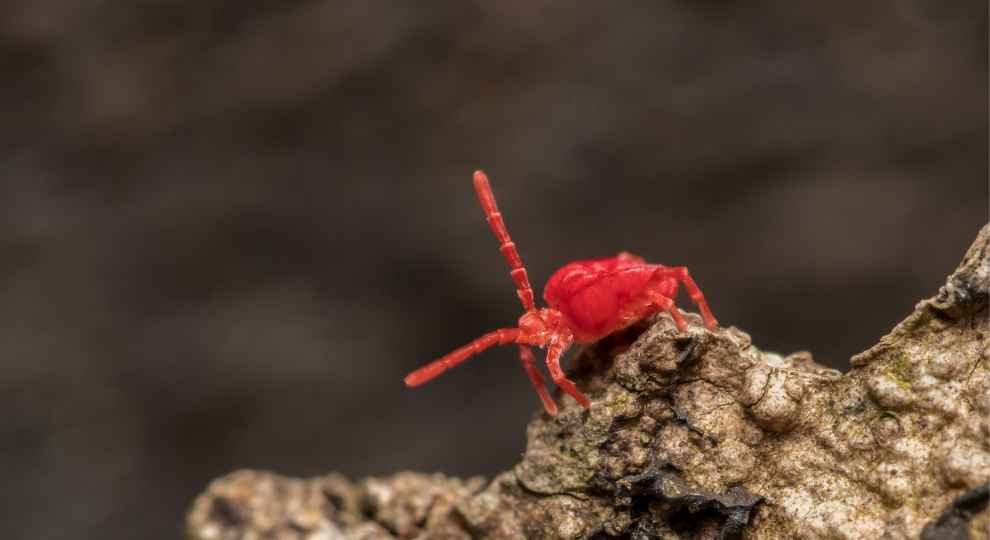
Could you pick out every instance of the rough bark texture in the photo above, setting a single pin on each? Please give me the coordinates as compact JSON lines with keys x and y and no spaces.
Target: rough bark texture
{"x":700,"y":436}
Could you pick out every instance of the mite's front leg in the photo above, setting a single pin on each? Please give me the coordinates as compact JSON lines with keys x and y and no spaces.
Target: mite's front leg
{"x":559,"y":344}
{"x":526,"y":357}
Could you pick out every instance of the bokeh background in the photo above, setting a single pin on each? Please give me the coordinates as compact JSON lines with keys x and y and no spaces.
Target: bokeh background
{"x":229,"y":228}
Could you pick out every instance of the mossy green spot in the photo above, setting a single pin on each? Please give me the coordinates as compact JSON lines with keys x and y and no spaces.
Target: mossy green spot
{"x":899,"y":370}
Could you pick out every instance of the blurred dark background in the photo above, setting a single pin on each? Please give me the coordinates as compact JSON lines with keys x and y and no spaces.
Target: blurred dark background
{"x":228,"y":229}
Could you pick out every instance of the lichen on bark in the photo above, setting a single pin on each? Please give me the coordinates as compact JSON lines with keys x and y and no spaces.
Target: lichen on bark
{"x":699,"y":435}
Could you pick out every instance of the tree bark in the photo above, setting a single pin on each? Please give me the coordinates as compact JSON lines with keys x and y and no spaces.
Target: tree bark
{"x":699,"y":435}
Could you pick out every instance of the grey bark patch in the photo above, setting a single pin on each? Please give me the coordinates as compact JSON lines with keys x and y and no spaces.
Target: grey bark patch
{"x":733,"y":507}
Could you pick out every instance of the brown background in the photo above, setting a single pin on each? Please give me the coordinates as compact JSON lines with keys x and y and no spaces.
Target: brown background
{"x":228,"y":229}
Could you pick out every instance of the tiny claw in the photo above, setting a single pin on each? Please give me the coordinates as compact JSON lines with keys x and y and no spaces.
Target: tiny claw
{"x":550,"y":407}
{"x":570,"y":389}
{"x":711,"y":322}
{"x":678,"y":320}
{"x":580,"y":398}
{"x":423,"y":375}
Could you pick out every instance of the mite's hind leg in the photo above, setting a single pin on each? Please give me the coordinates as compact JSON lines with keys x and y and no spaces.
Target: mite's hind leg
{"x":667,"y":305}
{"x":526,"y":357}
{"x":682,"y":275}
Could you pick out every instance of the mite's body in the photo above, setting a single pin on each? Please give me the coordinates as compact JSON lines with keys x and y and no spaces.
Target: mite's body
{"x":587,"y":300}
{"x":600,"y":296}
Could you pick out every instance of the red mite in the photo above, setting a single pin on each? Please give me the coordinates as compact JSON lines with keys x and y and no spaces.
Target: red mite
{"x":587,"y":301}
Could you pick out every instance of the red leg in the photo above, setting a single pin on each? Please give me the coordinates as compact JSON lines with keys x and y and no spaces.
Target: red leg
{"x":502,"y":336}
{"x":651,"y":301}
{"x":526,"y":356}
{"x":681,"y":273}
{"x":507,"y":246}
{"x":667,"y":305}
{"x":635,"y":309}
{"x":557,"y":347}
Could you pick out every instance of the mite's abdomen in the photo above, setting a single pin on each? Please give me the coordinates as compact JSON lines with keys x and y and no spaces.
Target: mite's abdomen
{"x":592,"y":294}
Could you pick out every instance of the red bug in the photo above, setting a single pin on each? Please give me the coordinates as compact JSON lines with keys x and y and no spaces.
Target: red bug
{"x":587,"y":301}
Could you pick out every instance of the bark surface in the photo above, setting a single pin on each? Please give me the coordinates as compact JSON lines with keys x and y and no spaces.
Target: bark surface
{"x":699,"y":435}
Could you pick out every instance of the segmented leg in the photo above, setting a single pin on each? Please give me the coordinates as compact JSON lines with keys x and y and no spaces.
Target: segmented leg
{"x":526,"y":357}
{"x":667,"y":305}
{"x":502,"y":336}
{"x":557,"y":347}
{"x":681,"y":273}
{"x":508,"y":248}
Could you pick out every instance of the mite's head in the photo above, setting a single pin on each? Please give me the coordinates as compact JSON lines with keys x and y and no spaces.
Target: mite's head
{"x":537,"y":326}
